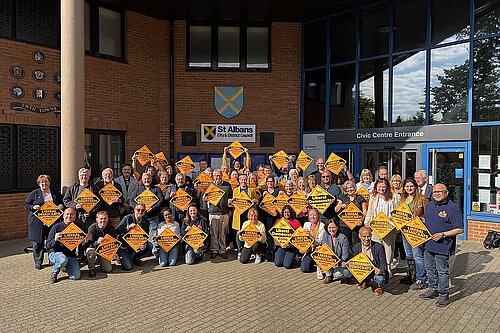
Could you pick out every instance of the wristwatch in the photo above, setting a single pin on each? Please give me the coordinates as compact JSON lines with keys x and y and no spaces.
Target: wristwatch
{"x":443,"y":235}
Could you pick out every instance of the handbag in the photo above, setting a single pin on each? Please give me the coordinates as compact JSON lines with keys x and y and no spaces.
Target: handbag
{"x":492,"y":240}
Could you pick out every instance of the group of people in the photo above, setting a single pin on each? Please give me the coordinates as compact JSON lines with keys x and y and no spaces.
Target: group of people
{"x":225,"y":226}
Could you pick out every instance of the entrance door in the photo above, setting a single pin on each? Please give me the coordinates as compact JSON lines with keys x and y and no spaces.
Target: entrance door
{"x":348,"y":153}
{"x":445,"y":163}
{"x":399,"y":160}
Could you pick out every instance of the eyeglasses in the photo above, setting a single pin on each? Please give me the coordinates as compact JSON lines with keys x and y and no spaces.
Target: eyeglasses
{"x":140,"y":210}
{"x":325,"y":176}
{"x":439,"y":192}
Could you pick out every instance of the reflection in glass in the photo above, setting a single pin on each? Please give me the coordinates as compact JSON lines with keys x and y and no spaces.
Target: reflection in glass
{"x":229,"y":47}
{"x":450,"y":22}
{"x":449,"y":84}
{"x":397,"y":163}
{"x":411,"y":163}
{"x":410,"y":18}
{"x":370,"y":162}
{"x":257,"y":47}
{"x":343,"y":40}
{"x":200,"y":46}
{"x":408,"y":108}
{"x":87,"y":27}
{"x":486,"y":80}
{"x":315,"y":44}
{"x":486,"y":17}
{"x":342,"y":89}
{"x":314,"y":100}
{"x":110,"y":32}
{"x":373,"y":93}
{"x":374,"y":30}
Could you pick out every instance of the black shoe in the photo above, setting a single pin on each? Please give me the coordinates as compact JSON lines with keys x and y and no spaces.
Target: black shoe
{"x":38,"y":266}
{"x":213,"y":255}
{"x":406,"y":280}
{"x":53,"y":277}
{"x":224,"y":255}
{"x":442,"y":300}
{"x":138,"y":262}
{"x":92,"y":273}
{"x":429,"y":294}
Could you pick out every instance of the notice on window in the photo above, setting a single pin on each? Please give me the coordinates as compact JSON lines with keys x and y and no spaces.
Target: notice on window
{"x":484,"y":162}
{"x":483,"y":180}
{"x":484,"y":196}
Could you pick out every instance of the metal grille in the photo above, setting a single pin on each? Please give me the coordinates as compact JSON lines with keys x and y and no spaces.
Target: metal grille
{"x":37,"y":154}
{"x":6,"y":151}
{"x":5,"y":18}
{"x":36,"y":21}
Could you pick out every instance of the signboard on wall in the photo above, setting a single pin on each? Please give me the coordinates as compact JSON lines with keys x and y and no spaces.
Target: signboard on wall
{"x":314,"y":146}
{"x":227,"y":133}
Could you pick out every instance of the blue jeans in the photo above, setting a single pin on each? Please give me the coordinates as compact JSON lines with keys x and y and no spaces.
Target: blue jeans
{"x":416,"y":254}
{"x":437,"y":271}
{"x":61,"y":261}
{"x":285,"y":257}
{"x":127,"y":255}
{"x":168,"y":258}
{"x":408,"y":248}
{"x":339,"y":273}
{"x":306,"y":264}
{"x":191,"y":253}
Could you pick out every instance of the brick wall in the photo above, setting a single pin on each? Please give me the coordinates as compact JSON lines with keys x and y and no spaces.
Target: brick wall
{"x":477,"y":230}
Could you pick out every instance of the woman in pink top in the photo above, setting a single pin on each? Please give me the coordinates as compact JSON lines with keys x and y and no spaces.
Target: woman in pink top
{"x":285,"y":255}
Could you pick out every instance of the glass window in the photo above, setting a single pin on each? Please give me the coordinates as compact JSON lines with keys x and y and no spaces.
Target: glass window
{"x":315,"y":44}
{"x":450,"y":22}
{"x":373,"y":93}
{"x":88,"y":29}
{"x":410,"y":28}
{"x":342,"y":96}
{"x":374,"y":30}
{"x":449,"y":84}
{"x":257,"y":47}
{"x":408,"y":99}
{"x":486,"y":17}
{"x":37,"y":21}
{"x":5,"y":18}
{"x":485,"y":169}
{"x":343,"y":40}
{"x":229,"y":47}
{"x":486,"y":80}
{"x":200,"y":46}
{"x":110,"y":32}
{"x":314,"y":101}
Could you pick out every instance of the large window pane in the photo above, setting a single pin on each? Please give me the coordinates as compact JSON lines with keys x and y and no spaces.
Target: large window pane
{"x":410,"y":27}
{"x":374,"y":30}
{"x":314,"y":101}
{"x":7,"y":160}
{"x":315,"y":44}
{"x":486,"y":17}
{"x":200,"y":46}
{"x":342,"y":90}
{"x":408,"y":99}
{"x":257,"y":47}
{"x":110,"y":32}
{"x":450,"y":20}
{"x":229,"y":47}
{"x":5,"y":18}
{"x":449,"y":84}
{"x":486,"y":80}
{"x":37,"y":21}
{"x":88,"y":29}
{"x":373,"y":93}
{"x":485,"y":167}
{"x":343,"y":40}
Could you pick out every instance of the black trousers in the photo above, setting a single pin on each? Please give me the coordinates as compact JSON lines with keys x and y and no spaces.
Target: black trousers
{"x":257,"y":248}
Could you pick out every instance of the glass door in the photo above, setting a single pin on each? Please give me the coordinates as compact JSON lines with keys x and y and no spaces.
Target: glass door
{"x":348,"y":153}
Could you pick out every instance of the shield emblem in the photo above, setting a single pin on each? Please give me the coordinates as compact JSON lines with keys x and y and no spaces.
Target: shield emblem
{"x":209,"y":132}
{"x":228,"y":101}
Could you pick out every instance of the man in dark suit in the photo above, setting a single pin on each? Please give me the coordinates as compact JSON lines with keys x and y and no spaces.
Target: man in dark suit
{"x":129,"y":184}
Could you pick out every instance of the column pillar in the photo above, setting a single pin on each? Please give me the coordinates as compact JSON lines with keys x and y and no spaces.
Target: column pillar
{"x":72,"y":89}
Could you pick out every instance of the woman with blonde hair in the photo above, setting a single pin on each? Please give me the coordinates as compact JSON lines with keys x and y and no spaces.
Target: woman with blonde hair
{"x":365,"y":180}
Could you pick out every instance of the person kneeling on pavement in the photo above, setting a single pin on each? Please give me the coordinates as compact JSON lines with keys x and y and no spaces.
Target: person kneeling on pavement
{"x":339,"y":244}
{"x":95,"y":236}
{"x":259,"y":247}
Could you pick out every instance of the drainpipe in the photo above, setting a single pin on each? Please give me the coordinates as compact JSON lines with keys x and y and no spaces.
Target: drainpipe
{"x":171,"y":94}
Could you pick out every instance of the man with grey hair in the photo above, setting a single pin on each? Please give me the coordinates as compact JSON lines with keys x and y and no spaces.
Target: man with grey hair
{"x":423,"y":187}
{"x":180,"y":183}
{"x":113,"y":209}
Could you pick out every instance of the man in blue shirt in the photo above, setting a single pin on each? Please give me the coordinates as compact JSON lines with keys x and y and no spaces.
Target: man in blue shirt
{"x":444,"y":221}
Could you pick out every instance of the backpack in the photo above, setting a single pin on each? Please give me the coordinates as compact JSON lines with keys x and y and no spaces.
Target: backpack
{"x":492,"y":240}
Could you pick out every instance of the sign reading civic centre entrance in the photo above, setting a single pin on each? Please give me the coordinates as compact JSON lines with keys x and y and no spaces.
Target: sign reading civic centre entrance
{"x":227,"y":133}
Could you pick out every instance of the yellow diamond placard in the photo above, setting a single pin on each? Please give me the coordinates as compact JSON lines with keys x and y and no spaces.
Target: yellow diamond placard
{"x":351,"y":216}
{"x":401,"y":215}
{"x":234,"y":183}
{"x":181,"y":199}
{"x":281,"y":232}
{"x":242,"y":202}
{"x":195,"y":237}
{"x":147,"y":198}
{"x":162,"y":187}
{"x":301,"y":240}
{"x":87,"y":200}
{"x":162,"y":159}
{"x":360,"y":267}
{"x":267,"y":203}
{"x":262,"y":183}
{"x":72,"y":236}
{"x":303,"y":160}
{"x":298,"y":202}
{"x":261,"y":175}
{"x":320,"y":199}
{"x":201,"y":182}
{"x":109,"y":193}
{"x":415,"y":232}
{"x":280,"y":159}
{"x":48,"y":213}
{"x":380,"y":225}
{"x":280,"y":201}
{"x":108,"y":247}
{"x":186,"y":165}
{"x":362,"y":191}
{"x":334,"y":163}
{"x":135,"y":237}
{"x":214,"y":194}
{"x":225,"y":177}
{"x":250,"y":234}
{"x":325,"y":258}
{"x":144,"y":155}
{"x":167,"y":239}
{"x":235,"y":149}
{"x":281,"y":184}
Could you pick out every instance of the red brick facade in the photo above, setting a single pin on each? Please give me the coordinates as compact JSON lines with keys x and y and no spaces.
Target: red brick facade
{"x":121,"y":95}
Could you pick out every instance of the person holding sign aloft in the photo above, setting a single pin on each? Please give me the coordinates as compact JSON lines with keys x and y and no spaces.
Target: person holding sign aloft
{"x":285,"y":254}
{"x":194,"y":218}
{"x":340,"y":246}
{"x":259,"y":246}
{"x":37,"y":231}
